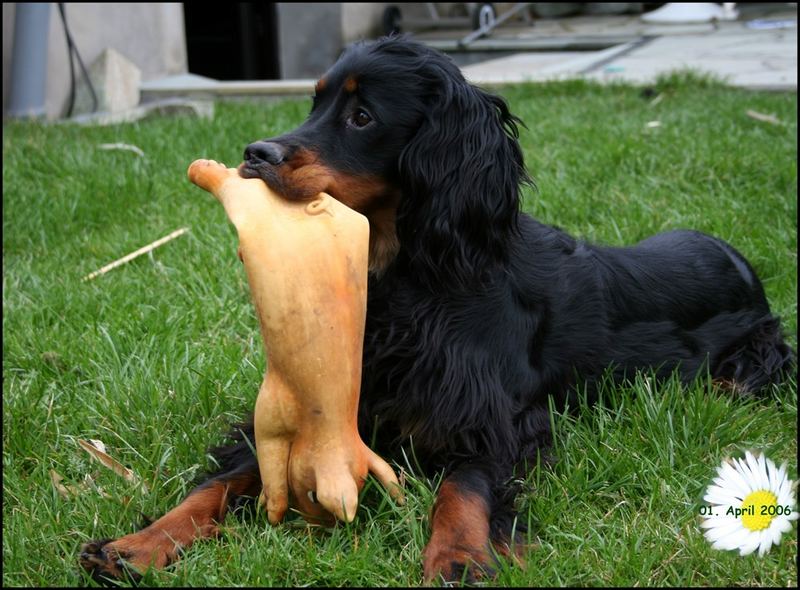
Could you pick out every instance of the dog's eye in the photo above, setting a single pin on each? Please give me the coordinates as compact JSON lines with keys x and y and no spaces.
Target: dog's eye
{"x":360,"y":118}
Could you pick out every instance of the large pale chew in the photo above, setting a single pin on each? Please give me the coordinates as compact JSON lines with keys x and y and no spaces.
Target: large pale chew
{"x":306,"y":264}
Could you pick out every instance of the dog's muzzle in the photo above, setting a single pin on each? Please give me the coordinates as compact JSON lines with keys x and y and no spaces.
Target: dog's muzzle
{"x":262,"y":152}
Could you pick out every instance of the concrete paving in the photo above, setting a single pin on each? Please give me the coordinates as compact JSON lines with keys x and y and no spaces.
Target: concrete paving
{"x":758,"y":51}
{"x":764,"y":59}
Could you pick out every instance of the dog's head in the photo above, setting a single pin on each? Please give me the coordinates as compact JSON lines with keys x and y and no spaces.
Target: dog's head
{"x":396,"y":133}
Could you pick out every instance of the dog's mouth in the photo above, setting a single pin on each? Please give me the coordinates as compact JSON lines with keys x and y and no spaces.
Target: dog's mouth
{"x":268,"y":173}
{"x":265,"y":172}
{"x":295,"y":183}
{"x":266,"y":160}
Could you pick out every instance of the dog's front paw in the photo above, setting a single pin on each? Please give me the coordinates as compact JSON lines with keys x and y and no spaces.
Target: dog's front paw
{"x":130,"y":556}
{"x":456,"y":565}
{"x":108,"y":560}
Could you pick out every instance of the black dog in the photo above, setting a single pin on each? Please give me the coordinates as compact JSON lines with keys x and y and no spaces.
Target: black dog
{"x":476,"y":313}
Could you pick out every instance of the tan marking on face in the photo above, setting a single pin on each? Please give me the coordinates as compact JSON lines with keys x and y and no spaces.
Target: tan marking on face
{"x":357,"y":192}
{"x":303,"y":177}
{"x":308,"y":181}
{"x":320,"y":85}
{"x":383,"y":242}
{"x":350,"y":85}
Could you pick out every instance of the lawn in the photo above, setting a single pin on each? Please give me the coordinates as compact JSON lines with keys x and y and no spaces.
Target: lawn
{"x":156,"y":357}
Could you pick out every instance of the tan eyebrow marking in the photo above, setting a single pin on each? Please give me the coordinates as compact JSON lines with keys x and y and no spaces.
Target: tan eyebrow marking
{"x":350,"y":84}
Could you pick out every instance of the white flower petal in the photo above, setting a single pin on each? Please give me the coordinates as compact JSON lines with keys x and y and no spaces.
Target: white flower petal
{"x":783,"y":472}
{"x":764,"y":542}
{"x":740,"y":464}
{"x":712,"y":522}
{"x":763,"y":474}
{"x":719,"y":496}
{"x":751,"y":462}
{"x":751,"y":470}
{"x":788,"y":488}
{"x":758,"y":466}
{"x":733,"y":541}
{"x":785,"y":495}
{"x":782,"y":482}
{"x":773,"y":475}
{"x":781,"y":524}
{"x":776,"y":532}
{"x":724,"y":483}
{"x":721,"y":530}
{"x":724,"y":531}
{"x":748,"y":476}
{"x":725,"y":544}
{"x":735,"y":481}
{"x":750,"y":544}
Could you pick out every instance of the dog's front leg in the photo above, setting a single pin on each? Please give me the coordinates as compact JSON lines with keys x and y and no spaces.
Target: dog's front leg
{"x":157,"y":545}
{"x":460,"y":544}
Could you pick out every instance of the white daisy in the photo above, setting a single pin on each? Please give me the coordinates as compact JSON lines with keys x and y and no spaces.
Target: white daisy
{"x":752,"y":505}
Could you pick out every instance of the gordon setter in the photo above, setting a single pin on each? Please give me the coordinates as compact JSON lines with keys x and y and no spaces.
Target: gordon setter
{"x":476,"y":312}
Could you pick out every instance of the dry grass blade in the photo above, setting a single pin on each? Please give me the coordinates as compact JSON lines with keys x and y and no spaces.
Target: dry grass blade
{"x":63,"y":491}
{"x":765,"y":118}
{"x":121,"y":146}
{"x":136,"y":254}
{"x":109,"y":462}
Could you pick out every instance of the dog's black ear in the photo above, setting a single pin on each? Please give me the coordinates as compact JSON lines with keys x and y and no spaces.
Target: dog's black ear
{"x":461,"y":176}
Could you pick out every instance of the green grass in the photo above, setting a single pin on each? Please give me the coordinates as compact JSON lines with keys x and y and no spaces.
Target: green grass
{"x":156,"y":357}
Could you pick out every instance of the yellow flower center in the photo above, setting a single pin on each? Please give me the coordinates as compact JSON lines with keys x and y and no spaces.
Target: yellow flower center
{"x":753,"y":506}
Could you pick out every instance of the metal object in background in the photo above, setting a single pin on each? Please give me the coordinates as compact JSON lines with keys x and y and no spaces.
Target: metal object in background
{"x":481,"y":17}
{"x":394,"y":22}
{"x":29,"y":60}
{"x":486,"y":20}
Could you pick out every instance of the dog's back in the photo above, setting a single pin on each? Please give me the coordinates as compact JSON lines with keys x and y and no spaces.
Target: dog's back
{"x":680,"y":300}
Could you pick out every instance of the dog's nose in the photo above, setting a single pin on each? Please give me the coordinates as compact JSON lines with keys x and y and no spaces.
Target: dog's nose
{"x":265,"y":151}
